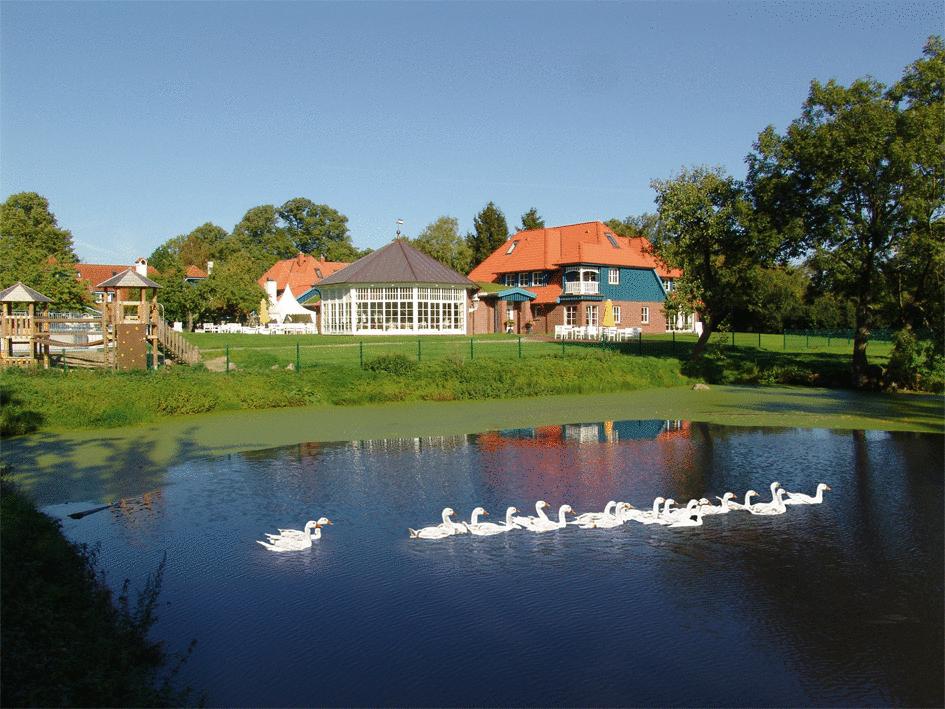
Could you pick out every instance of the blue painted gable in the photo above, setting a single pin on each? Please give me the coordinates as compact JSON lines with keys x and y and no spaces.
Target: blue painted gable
{"x":640,"y":284}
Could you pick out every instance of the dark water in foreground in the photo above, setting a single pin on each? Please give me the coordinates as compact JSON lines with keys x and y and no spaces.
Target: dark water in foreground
{"x":836,"y":604}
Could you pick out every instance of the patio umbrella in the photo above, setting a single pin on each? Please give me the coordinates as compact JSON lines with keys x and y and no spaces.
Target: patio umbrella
{"x":608,"y":318}
{"x":264,"y":311}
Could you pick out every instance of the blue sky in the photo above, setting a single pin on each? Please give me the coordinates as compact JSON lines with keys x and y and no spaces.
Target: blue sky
{"x":141,"y":121}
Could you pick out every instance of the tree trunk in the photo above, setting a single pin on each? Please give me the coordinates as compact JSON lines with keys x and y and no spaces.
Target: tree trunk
{"x":860,"y":369}
{"x":708,"y":327}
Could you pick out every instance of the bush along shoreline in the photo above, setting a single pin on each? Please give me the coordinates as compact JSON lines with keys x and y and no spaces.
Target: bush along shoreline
{"x":67,"y":639}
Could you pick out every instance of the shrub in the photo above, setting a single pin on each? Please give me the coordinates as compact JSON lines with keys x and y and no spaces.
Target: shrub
{"x":391,"y":364}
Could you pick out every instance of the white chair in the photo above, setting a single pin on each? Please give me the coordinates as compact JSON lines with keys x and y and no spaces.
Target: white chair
{"x":563,"y":331}
{"x":592,"y":332}
{"x":610,"y":334}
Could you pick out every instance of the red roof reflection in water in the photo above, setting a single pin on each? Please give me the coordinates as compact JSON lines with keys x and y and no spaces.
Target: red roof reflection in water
{"x":577,"y":462}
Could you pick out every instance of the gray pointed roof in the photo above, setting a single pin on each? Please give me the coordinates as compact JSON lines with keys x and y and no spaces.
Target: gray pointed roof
{"x":398,"y":262}
{"x":20,"y":293}
{"x":128,"y":279}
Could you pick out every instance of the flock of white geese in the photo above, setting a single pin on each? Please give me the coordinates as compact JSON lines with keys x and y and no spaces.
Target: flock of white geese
{"x":616,"y":514}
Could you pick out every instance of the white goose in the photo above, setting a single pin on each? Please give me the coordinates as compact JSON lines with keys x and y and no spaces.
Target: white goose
{"x":775,"y":507}
{"x":588,"y":517}
{"x":486,"y":529}
{"x":526,"y":522}
{"x":612,"y":520}
{"x":724,"y":508}
{"x":543,"y":524}
{"x":650,"y":516}
{"x":294,"y":539}
{"x":671,"y":516}
{"x":743,"y":506}
{"x":690,"y":517}
{"x":446,"y":528}
{"x":799,"y":498}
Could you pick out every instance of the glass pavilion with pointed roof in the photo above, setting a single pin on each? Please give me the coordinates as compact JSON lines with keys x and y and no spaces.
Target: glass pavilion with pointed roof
{"x":395,"y":290}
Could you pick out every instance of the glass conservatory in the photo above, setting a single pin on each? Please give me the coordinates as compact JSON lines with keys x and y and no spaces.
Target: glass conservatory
{"x":394,"y":308}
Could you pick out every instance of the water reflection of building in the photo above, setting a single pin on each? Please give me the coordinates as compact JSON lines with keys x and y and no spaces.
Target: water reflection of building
{"x":416,"y":444}
{"x":608,"y":458}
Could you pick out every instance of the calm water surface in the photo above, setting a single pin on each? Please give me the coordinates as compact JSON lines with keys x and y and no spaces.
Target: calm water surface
{"x":836,"y":604}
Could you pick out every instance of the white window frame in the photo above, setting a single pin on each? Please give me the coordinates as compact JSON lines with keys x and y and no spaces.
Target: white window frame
{"x":591,"y":315}
{"x":570,"y":315}
{"x":616,"y":315}
{"x":523,"y":279}
{"x":510,"y":279}
{"x":537,"y":278}
{"x":645,"y":315}
{"x":613,"y":276}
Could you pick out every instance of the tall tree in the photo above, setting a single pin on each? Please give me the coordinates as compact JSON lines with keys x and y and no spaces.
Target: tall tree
{"x":853,"y":177}
{"x":313,"y":228}
{"x":231,"y":292}
{"x":531,"y":220}
{"x":704,"y":218}
{"x":35,"y":250}
{"x":491,"y":230}
{"x":442,"y":241}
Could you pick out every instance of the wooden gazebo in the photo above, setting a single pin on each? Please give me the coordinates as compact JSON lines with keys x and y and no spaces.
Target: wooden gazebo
{"x":130,"y":319}
{"x":18,"y":328}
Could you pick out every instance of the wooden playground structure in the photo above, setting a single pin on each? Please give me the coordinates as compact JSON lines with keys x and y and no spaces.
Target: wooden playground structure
{"x":125,"y":333}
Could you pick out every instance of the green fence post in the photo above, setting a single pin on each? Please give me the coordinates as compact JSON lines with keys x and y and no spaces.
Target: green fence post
{"x":562,"y":346}
{"x":519,"y":346}
{"x":227,"y":358}
{"x":733,"y":338}
{"x":298,"y":358}
{"x":361,"y":353}
{"x":471,"y":353}
{"x":640,"y":342}
{"x":418,"y":349}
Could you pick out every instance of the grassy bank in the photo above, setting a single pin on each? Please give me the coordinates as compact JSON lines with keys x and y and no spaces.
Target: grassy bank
{"x":54,"y":400}
{"x":66,"y":640}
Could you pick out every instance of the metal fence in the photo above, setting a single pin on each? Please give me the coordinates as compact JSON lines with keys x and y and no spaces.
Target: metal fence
{"x":305,"y":352}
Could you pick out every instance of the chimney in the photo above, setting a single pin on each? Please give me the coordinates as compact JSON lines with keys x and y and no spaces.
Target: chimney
{"x":141,"y":266}
{"x":271,"y":290}
{"x":209,"y":267}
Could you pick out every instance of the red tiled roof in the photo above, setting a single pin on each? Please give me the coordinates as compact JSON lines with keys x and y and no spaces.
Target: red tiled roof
{"x":194,"y":272}
{"x":300,"y":273}
{"x":95,"y":273}
{"x":547,"y":249}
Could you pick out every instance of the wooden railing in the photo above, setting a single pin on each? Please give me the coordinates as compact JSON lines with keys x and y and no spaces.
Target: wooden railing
{"x":175,"y":345}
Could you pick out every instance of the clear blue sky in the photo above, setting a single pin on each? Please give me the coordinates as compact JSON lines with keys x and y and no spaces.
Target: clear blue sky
{"x":140,"y":121}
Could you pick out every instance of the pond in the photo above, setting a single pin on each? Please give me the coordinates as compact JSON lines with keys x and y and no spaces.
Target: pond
{"x":832,"y":604}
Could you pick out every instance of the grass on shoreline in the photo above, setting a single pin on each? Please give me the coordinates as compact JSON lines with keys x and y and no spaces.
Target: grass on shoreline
{"x":51,"y":400}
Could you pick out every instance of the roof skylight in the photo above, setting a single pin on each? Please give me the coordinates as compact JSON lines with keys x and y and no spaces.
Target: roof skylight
{"x":511,"y":247}
{"x":611,"y":239}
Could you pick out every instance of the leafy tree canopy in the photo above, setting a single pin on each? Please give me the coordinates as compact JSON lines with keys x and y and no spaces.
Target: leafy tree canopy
{"x":35,"y":250}
{"x":635,"y":225}
{"x":442,"y":241}
{"x":313,"y":228}
{"x":704,"y":217}
{"x":857,"y":175}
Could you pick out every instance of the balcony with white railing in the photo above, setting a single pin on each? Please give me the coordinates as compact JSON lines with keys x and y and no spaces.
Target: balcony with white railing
{"x":581,"y":288}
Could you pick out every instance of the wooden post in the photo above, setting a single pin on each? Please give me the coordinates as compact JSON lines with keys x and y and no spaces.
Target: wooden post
{"x":31,"y":337}
{"x":153,"y":329}
{"x":47,"y":333}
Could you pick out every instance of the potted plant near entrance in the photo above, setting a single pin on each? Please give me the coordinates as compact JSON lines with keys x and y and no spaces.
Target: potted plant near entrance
{"x":528,"y":327}
{"x":509,"y":324}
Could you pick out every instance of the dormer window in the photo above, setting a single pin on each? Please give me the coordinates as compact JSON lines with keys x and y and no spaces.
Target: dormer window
{"x":611,"y":239}
{"x":318,"y":273}
{"x":511,"y":247}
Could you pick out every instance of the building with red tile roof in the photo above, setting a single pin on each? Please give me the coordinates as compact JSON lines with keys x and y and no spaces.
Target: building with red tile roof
{"x":92,"y":274}
{"x":301,"y":273}
{"x":563,"y":275}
